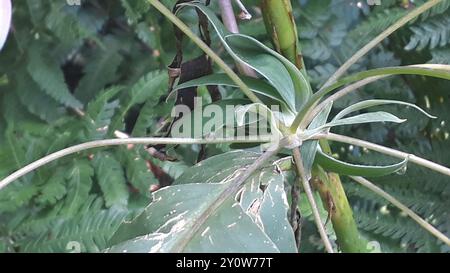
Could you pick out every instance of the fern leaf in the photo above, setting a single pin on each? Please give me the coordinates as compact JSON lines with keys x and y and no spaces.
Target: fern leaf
{"x":435,"y":32}
{"x":100,"y":71}
{"x":79,"y":180}
{"x":46,"y":72}
{"x":111,"y":178}
{"x":149,"y":87}
{"x":137,"y":171}
{"x":54,"y":190}
{"x":36,"y":102}
{"x":100,"y":112}
{"x":134,"y":10}
{"x":440,"y":56}
{"x":89,"y":232}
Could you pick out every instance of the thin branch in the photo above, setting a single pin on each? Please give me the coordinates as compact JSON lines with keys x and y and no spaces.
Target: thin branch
{"x":115,"y":142}
{"x":186,"y":30}
{"x":388,"y":151}
{"x":312,"y":201}
{"x":363,"y":51}
{"x":366,"y":183}
{"x":229,"y":20}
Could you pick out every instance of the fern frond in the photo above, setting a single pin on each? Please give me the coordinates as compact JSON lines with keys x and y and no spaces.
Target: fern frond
{"x":397,"y":227}
{"x":46,"y":72}
{"x":134,"y":10}
{"x":440,"y":56}
{"x":149,"y":87}
{"x":111,"y":178}
{"x":370,"y":28}
{"x":79,"y":180}
{"x":89,"y":231}
{"x":435,"y":32}
{"x":100,"y":112}
{"x":54,"y":190}
{"x":100,"y":71}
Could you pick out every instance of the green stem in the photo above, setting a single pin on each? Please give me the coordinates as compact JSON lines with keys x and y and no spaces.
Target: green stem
{"x":309,"y":194}
{"x":280,"y":24}
{"x":216,"y":58}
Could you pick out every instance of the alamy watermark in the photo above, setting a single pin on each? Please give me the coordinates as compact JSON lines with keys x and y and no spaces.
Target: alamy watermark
{"x":73,"y":2}
{"x":228,"y":122}
{"x":374,"y":2}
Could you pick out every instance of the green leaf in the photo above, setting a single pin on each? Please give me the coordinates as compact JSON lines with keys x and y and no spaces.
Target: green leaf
{"x":100,"y":112}
{"x":46,"y":72}
{"x":163,"y":225}
{"x":309,"y":148}
{"x":89,"y":231}
{"x":269,"y":208}
{"x":302,"y":88}
{"x":332,"y":164}
{"x":257,"y":222}
{"x":218,"y":124}
{"x":111,"y":178}
{"x":151,"y":86}
{"x":79,"y":179}
{"x":365,"y":118}
{"x":100,"y":71}
{"x":55,"y":188}
{"x":266,"y":65}
{"x":137,"y":171}
{"x":38,"y":103}
{"x":441,"y":71}
{"x":209,"y":171}
{"x":370,"y":103}
{"x":256,"y":85}
{"x":279,"y":71}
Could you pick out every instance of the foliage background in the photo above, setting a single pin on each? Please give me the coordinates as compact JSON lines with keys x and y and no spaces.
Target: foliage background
{"x":69,"y":74}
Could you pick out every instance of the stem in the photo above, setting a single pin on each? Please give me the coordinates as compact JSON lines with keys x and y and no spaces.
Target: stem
{"x":186,"y":30}
{"x":366,"y":183}
{"x":229,"y":20}
{"x":115,"y":142}
{"x":388,"y":151}
{"x":311,"y":200}
{"x":363,"y":51}
{"x":280,"y":24}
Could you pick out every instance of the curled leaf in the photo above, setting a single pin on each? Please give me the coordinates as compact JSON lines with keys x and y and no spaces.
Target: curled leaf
{"x":332,"y":164}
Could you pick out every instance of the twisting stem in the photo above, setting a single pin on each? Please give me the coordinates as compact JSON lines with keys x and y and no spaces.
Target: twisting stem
{"x":216,"y":58}
{"x":366,"y":183}
{"x":363,"y":51}
{"x":388,"y":151}
{"x":229,"y":20}
{"x":311,"y":200}
{"x":115,"y":142}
